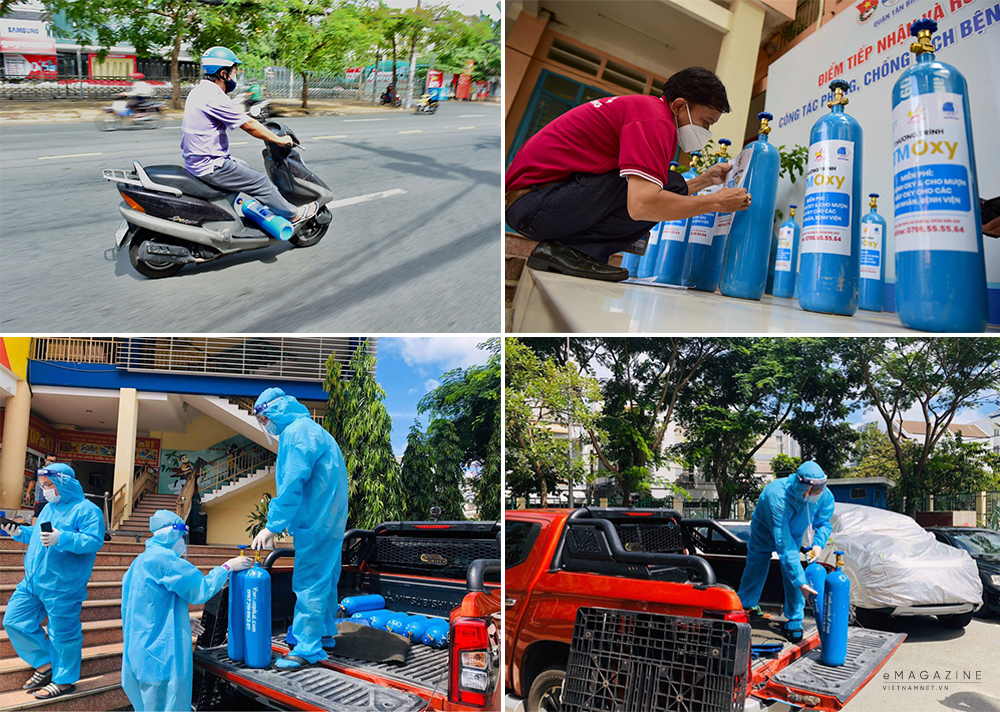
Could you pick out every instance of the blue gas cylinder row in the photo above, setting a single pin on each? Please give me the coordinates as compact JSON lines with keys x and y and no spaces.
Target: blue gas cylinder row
{"x":374,"y":619}
{"x":257,"y":617}
{"x":235,"y":645}
{"x":436,"y":634}
{"x":940,"y":262}
{"x":369,"y":602}
{"x":264,"y":218}
{"x":397,"y":623}
{"x":786,"y":259}
{"x":674,"y":240}
{"x":630,"y":262}
{"x":647,"y":262}
{"x":416,"y":627}
{"x":748,"y":246}
{"x":873,"y":234}
{"x":831,"y":222}
{"x":706,"y":241}
{"x":816,"y":577}
{"x":836,"y":615}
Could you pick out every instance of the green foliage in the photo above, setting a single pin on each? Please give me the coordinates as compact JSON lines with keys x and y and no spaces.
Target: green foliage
{"x":874,"y":454}
{"x":448,"y":473}
{"x":487,"y":491}
{"x":784,"y":465}
{"x":956,"y":467}
{"x":257,"y":519}
{"x":417,"y":476}
{"x":358,"y":420}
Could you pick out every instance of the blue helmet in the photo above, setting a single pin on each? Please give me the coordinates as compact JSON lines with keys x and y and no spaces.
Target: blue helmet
{"x":218,"y":58}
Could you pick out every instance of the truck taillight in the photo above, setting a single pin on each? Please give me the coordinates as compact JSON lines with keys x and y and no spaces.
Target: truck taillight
{"x":473,"y":662}
{"x":737,"y":616}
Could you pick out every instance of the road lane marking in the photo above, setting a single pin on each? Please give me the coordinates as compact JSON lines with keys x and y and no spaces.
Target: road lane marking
{"x":413,"y":131}
{"x":347,"y":121}
{"x":239,"y":143}
{"x":364,"y":198}
{"x":317,"y":138}
{"x":471,"y":116}
{"x":463,"y":128}
{"x":69,"y":155}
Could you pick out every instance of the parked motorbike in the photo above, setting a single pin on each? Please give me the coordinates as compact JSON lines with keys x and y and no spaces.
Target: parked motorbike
{"x":257,"y":108}
{"x":171,"y":218}
{"x":147,"y":115}
{"x":387,"y":100}
{"x":426,"y":105}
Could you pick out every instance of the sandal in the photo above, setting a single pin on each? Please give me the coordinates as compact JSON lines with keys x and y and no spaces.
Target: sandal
{"x":52,"y":691}
{"x":38,"y":680}
{"x":309,"y":211}
{"x":299,"y":663}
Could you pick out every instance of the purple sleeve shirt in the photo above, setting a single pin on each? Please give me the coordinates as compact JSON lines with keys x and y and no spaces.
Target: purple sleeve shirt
{"x":208,"y":115}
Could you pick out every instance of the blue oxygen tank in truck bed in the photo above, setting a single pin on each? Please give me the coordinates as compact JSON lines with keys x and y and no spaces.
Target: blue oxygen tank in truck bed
{"x":257,"y":617}
{"x":647,"y":263}
{"x":235,"y":646}
{"x":816,"y":578}
{"x":786,"y":260}
{"x":748,"y":247}
{"x":706,"y":241}
{"x":674,"y":240}
{"x":416,"y":627}
{"x":873,"y":234}
{"x":355,"y":604}
{"x":940,"y":263}
{"x":836,"y":613}
{"x":436,"y":634}
{"x":831,"y":222}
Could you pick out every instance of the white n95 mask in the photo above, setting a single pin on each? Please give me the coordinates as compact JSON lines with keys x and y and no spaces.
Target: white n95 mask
{"x":691,"y":137}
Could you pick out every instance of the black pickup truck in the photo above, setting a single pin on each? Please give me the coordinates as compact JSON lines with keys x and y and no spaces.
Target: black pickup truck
{"x":449,"y":570}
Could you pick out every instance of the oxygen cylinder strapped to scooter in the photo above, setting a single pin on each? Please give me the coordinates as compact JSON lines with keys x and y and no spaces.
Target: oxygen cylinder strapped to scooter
{"x":674,"y":240}
{"x":873,"y":234}
{"x":236,"y":647}
{"x":940,"y":261}
{"x":786,"y":259}
{"x":748,"y":246}
{"x":707,"y":240}
{"x":831,"y":221}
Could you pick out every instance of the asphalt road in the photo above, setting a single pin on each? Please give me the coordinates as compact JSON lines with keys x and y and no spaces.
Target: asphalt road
{"x":423,"y":260}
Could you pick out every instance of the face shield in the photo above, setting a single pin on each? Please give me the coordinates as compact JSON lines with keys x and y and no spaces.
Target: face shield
{"x":176,"y":536}
{"x":269,"y":429}
{"x":51,"y":493}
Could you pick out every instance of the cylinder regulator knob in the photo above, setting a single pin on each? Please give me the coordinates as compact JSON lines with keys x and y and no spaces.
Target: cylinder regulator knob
{"x":792,"y":209}
{"x":724,"y":143}
{"x":765,"y":117}
{"x":873,"y":203}
{"x":923,"y":29}
{"x":674,"y":165}
{"x":839,"y":88}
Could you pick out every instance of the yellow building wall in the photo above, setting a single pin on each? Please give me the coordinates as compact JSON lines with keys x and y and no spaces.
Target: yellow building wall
{"x":17,"y":349}
{"x":201,"y":434}
{"x":227,"y":520}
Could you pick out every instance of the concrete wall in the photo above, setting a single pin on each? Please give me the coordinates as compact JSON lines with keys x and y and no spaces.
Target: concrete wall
{"x":227,"y":520}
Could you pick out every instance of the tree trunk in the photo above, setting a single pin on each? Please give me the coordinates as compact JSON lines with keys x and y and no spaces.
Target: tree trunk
{"x":395,"y":89}
{"x":305,"y":90}
{"x":375,"y":79}
{"x":175,"y":74}
{"x":543,"y":489}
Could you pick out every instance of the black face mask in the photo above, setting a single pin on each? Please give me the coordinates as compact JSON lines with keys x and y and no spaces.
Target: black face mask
{"x":230,"y":83}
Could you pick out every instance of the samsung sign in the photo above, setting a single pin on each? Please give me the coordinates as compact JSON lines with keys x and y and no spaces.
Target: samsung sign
{"x":23,"y":28}
{"x":25,"y":36}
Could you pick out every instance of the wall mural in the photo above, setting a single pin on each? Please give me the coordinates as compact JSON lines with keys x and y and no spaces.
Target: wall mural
{"x":176,"y":466}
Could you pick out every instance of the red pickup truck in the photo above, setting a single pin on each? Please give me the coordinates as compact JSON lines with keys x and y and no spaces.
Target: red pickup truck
{"x":610,"y":608}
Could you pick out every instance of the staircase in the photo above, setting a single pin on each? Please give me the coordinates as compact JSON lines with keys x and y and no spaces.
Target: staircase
{"x":232,"y":416}
{"x":137,"y":524}
{"x":231,"y":488}
{"x":99,"y":687}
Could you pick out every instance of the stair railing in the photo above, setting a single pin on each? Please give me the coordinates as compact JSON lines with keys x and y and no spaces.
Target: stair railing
{"x":231,"y":466}
{"x":118,"y":507}
{"x":186,"y":499}
{"x":146,"y":481}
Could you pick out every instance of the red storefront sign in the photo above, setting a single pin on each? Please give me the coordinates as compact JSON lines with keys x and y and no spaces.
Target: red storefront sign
{"x":41,"y":436}
{"x":100,"y":447}
{"x":435,"y":79}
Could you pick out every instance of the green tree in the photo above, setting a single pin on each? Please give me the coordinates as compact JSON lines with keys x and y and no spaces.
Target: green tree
{"x":539,"y":396}
{"x":358,"y":420}
{"x":416,"y":474}
{"x":446,"y":457}
{"x":784,"y":465}
{"x":957,"y":467}
{"x":938,"y":377}
{"x":470,"y":399}
{"x":875,"y":456}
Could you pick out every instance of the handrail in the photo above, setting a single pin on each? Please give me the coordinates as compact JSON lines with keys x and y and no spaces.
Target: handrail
{"x":104,"y":498}
{"x":232,"y":466}
{"x":185,"y":500}
{"x":144,"y":482}
{"x":477,"y":573}
{"x":118,"y":507}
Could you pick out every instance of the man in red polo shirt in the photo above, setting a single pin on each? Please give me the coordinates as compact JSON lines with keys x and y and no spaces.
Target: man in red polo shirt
{"x":597,"y":179}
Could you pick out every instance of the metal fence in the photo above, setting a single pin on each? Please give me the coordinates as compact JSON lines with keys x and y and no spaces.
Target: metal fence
{"x":967,"y":502}
{"x":72,"y":87}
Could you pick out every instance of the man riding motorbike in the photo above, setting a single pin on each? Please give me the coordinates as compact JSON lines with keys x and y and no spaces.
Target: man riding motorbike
{"x":138,"y":93}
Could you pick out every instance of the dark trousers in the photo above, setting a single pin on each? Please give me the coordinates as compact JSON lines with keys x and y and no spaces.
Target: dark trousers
{"x":588,"y":213}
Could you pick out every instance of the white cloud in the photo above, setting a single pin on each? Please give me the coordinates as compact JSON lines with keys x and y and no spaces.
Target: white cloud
{"x":433,"y":355}
{"x":430,"y":385}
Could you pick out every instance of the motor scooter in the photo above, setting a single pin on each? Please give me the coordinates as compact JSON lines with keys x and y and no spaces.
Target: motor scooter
{"x":171,"y":218}
{"x":426,"y":105}
{"x":258,"y":109}
{"x":147,"y":115}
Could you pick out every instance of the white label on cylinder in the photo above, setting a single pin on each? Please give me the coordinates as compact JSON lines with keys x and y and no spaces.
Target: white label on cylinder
{"x":871,"y":250}
{"x":826,"y":220}
{"x":783,"y":259}
{"x":734,"y":179}
{"x":703,"y":226}
{"x":931,"y":182}
{"x":654,"y":236}
{"x":674,"y":230}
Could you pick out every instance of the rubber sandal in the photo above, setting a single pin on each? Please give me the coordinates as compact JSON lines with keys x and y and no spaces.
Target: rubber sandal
{"x":38,"y":680}
{"x":310,"y":212}
{"x":300,"y":663}
{"x":755,"y":612}
{"x":53,"y":691}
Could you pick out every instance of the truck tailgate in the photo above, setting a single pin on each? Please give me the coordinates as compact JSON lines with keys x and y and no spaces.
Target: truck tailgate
{"x":312,"y":688}
{"x":810,"y":683}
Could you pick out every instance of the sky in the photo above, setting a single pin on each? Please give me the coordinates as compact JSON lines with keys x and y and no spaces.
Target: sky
{"x":466,"y":7}
{"x":410,"y":367}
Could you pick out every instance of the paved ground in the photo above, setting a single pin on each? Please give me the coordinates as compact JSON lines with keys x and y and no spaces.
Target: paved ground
{"x":426,"y":259}
{"x":930,"y":650}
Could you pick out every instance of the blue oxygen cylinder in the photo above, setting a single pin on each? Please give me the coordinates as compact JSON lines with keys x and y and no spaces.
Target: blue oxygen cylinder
{"x":353,"y":604}
{"x":416,"y":627}
{"x":264,"y":218}
{"x":397,"y":623}
{"x":257,"y":620}
{"x":674,"y":240}
{"x":436,"y":635}
{"x":647,"y":263}
{"x":873,"y":234}
{"x":367,"y":617}
{"x":630,"y":262}
{"x":940,"y":263}
{"x":748,"y":246}
{"x":769,"y":287}
{"x":786,"y":260}
{"x":706,"y":242}
{"x":836,"y":613}
{"x":831,"y":223}
{"x":235,"y":645}
{"x":816,"y":578}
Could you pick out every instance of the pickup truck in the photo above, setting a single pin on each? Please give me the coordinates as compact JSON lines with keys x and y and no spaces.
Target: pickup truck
{"x":609,"y":608}
{"x":442,"y":569}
